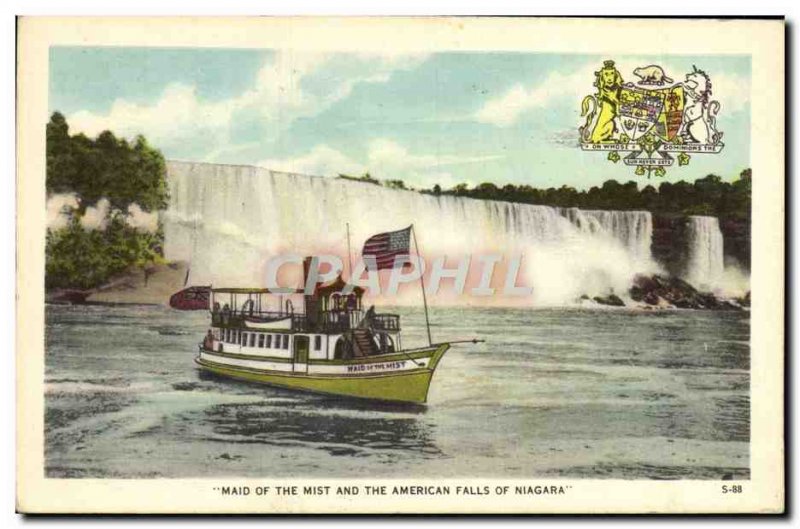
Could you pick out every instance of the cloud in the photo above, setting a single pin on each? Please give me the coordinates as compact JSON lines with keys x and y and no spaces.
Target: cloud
{"x":182,"y":123}
{"x":384,"y":159}
{"x":322,"y":160}
{"x":565,"y":138}
{"x":60,"y":208}
{"x":506,"y":109}
{"x":177,"y":118}
{"x":96,"y":217}
{"x":141,"y":220}
{"x":387,"y":156}
{"x":731,"y":90}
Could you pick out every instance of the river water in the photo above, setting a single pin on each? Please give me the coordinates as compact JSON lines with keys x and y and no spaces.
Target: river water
{"x":577,"y":393}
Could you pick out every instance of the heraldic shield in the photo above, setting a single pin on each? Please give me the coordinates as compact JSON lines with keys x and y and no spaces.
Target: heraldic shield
{"x":642,"y":110}
{"x":639,"y":110}
{"x":671,"y":118}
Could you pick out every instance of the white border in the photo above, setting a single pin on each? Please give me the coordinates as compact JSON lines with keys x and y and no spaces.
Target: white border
{"x":767,"y":265}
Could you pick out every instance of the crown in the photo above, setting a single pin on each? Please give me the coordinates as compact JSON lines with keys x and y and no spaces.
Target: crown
{"x":608,"y":64}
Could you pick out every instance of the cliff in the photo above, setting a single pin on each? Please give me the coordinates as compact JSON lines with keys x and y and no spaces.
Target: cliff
{"x":671,"y":241}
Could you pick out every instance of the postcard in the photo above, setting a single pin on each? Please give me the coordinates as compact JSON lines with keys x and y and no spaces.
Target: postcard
{"x":400,"y":265}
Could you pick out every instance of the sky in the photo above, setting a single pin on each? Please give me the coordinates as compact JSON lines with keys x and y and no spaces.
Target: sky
{"x":440,"y":118}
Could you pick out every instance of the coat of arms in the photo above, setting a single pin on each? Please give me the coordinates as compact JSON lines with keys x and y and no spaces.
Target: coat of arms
{"x":651,"y":121}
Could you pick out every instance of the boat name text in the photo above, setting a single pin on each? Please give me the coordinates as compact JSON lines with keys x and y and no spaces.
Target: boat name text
{"x":383,"y":366}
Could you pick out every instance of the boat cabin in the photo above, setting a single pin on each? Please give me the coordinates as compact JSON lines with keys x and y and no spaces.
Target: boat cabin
{"x":327,"y":325}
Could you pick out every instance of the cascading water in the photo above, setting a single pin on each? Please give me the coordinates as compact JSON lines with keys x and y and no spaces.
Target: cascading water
{"x":634,"y":229}
{"x":704,"y":264}
{"x":228,"y":220}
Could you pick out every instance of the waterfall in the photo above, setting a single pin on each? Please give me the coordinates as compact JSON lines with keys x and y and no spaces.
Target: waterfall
{"x":228,"y":220}
{"x":634,"y":229}
{"x":704,"y":264}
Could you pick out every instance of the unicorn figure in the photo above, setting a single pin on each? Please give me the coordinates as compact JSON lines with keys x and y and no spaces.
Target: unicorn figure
{"x":699,"y":113}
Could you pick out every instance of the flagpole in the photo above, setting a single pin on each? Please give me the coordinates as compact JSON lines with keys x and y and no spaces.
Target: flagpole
{"x":422,"y":284}
{"x":349,"y":253}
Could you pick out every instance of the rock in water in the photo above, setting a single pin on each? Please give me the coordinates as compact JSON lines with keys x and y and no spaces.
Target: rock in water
{"x":657,"y":289}
{"x":744,"y":301}
{"x":611,"y":299}
{"x":67,"y":295}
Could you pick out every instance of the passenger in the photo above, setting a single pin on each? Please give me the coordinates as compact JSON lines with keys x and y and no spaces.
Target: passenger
{"x":208,"y":341}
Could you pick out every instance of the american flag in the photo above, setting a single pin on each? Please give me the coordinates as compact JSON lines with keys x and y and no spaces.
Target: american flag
{"x":385,"y":247}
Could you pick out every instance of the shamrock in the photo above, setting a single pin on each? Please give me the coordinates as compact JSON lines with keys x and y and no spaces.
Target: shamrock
{"x":613,"y":156}
{"x":660,"y":171}
{"x":648,"y":143}
{"x":683,"y":159}
{"x":640,"y":170}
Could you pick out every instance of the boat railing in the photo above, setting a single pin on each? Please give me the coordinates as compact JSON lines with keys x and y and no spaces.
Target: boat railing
{"x":300,"y":323}
{"x":351,"y":319}
{"x":386,"y":322}
{"x":329,"y":320}
{"x":341,"y":320}
{"x":231,"y":318}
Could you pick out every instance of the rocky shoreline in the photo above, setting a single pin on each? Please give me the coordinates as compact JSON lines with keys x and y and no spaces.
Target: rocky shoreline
{"x":152,"y":285}
{"x":669,"y":292}
{"x":157,"y":283}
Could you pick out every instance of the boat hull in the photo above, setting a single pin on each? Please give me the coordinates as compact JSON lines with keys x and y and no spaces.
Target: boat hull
{"x":191,"y":298}
{"x":396,"y":386}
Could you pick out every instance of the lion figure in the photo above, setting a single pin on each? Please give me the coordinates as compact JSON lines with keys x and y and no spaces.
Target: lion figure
{"x":608,"y":81}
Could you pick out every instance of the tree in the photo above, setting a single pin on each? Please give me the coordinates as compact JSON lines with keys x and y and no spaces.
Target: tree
{"x":61,"y":167}
{"x":649,"y":197}
{"x":104,"y":168}
{"x":395,"y":184}
{"x":460,"y":189}
{"x":706,"y":196}
{"x":740,"y":196}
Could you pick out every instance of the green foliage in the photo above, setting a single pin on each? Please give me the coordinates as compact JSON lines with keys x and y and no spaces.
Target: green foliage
{"x":395,"y":184}
{"x":109,"y":168}
{"x":105,"y":167}
{"x":707,"y":196}
{"x":366,"y":178}
{"x":78,"y":258}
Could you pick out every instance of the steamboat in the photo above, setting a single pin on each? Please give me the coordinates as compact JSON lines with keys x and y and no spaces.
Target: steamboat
{"x":322,"y":342}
